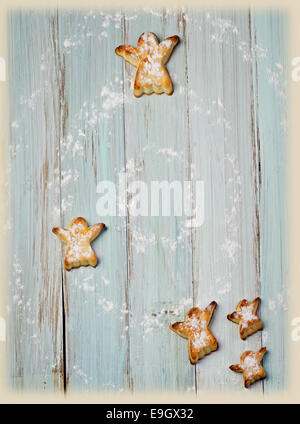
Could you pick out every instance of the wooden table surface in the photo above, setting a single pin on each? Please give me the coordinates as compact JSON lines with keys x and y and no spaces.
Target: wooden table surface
{"x":75,"y":122}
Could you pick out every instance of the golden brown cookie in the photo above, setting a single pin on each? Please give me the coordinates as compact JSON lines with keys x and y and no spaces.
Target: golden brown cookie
{"x":201,"y":341}
{"x":149,"y":57}
{"x":245,"y":316}
{"x":251,"y":366}
{"x":78,"y":238}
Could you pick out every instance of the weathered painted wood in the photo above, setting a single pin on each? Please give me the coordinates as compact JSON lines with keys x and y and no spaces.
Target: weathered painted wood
{"x":225,"y":248}
{"x":92,"y":150}
{"x":74,"y":123}
{"x":35,"y":341}
{"x":269,"y":42}
{"x":159,"y":248}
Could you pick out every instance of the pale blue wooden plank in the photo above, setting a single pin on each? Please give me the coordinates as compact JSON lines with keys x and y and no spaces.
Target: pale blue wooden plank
{"x":225,"y":249}
{"x":269,"y":44}
{"x":35,"y":345}
{"x":159,"y":248}
{"x":92,"y":150}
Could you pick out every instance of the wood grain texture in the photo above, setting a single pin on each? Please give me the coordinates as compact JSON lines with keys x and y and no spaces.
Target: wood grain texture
{"x":269,"y":31}
{"x":225,"y":248}
{"x":159,"y":248}
{"x":75,"y":123}
{"x":92,"y":150}
{"x":35,"y":349}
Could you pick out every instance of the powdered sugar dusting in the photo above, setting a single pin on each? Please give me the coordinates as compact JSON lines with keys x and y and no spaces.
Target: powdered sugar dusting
{"x":201,"y":340}
{"x":246,"y":314}
{"x":151,"y":70}
{"x":251,"y":365}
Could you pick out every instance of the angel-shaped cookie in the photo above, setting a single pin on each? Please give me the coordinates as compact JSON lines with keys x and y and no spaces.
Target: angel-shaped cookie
{"x":201,"y":341}
{"x":245,"y":316}
{"x":251,"y":366}
{"x":78,"y":238}
{"x":149,"y":57}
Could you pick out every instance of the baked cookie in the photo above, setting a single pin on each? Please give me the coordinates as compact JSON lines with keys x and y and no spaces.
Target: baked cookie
{"x":201,"y":341}
{"x":245,"y":316}
{"x":78,"y":238}
{"x":250,"y":366}
{"x":149,"y":57}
